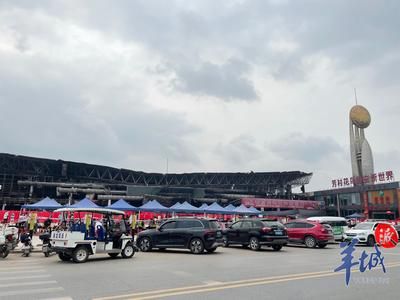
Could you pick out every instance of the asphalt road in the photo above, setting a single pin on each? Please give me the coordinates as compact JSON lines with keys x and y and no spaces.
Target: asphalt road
{"x":230,"y":273}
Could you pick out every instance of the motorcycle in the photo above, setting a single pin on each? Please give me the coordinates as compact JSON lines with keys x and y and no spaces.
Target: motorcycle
{"x":46,"y":245}
{"x":3,"y":247}
{"x":8,"y":241}
{"x":27,"y":246}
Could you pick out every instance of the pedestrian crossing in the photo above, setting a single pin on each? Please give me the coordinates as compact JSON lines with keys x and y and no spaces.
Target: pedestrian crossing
{"x":27,"y":278}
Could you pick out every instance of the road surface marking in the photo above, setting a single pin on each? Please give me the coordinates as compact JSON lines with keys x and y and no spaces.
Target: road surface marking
{"x":27,"y":283}
{"x":5,"y":270}
{"x":62,"y":298}
{"x":32,"y":291}
{"x":229,"y":285}
{"x":27,"y":271}
{"x":25,"y":277}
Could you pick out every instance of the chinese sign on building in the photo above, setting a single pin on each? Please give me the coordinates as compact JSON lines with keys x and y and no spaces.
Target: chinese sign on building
{"x":380,"y":177}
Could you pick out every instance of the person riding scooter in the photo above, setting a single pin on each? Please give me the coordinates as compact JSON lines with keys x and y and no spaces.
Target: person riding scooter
{"x":27,"y":246}
{"x":45,"y":238}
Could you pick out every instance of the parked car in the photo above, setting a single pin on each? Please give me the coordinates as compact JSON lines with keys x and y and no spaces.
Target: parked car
{"x":255,"y":233}
{"x":338,"y":224}
{"x":195,"y":234}
{"x":309,"y":233}
{"x":397,"y":227}
{"x":364,"y":232}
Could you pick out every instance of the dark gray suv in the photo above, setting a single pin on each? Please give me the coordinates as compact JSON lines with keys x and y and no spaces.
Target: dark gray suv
{"x":195,"y":234}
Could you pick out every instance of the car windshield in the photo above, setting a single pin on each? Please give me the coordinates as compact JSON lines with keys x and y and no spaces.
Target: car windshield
{"x":214,"y":224}
{"x":364,"y":226}
{"x":272,"y":223}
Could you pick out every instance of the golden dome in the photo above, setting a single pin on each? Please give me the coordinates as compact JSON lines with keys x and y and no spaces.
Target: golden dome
{"x":360,"y":116}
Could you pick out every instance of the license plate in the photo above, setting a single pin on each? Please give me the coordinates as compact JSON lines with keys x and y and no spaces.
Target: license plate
{"x":278,"y":232}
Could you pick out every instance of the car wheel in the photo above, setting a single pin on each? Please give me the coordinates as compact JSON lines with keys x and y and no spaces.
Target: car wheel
{"x":5,"y":253}
{"x":80,"y":254}
{"x":113,"y":255}
{"x":128,"y":251}
{"x":254,"y":244}
{"x":211,"y":250}
{"x":277,"y":247}
{"x":64,"y":257}
{"x":145,"y":244}
{"x":310,"y":242}
{"x":322,"y":245}
{"x":371,"y":241}
{"x":225,"y":241}
{"x":196,"y":246}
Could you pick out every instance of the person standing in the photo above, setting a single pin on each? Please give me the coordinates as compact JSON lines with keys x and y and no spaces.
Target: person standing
{"x":32,"y":224}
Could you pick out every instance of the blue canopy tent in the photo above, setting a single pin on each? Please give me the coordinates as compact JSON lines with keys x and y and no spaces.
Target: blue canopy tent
{"x":153,"y":206}
{"x":203,"y":206}
{"x":215,"y":208}
{"x":355,"y":216}
{"x":230,"y":208}
{"x":243,"y":210}
{"x":45,"y":204}
{"x":186,"y":207}
{"x":175,"y":206}
{"x":85,"y":203}
{"x":255,"y":210}
{"x":121,"y":204}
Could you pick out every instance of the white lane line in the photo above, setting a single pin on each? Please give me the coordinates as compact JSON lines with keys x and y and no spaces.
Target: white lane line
{"x":25,"y":277}
{"x":5,"y":270}
{"x":31,"y":292}
{"x":62,"y":298}
{"x":27,"y":283}
{"x":22,"y":264}
{"x":19,"y":272}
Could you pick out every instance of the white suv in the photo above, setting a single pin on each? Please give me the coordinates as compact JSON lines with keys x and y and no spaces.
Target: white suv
{"x":364,"y":232}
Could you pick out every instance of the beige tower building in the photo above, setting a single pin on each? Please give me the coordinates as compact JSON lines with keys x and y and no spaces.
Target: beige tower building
{"x":362,"y":162}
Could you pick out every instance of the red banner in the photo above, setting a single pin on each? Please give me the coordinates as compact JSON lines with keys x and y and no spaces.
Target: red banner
{"x":280,"y":203}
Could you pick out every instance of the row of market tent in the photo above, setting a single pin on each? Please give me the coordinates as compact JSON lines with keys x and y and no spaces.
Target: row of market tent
{"x":150,"y":206}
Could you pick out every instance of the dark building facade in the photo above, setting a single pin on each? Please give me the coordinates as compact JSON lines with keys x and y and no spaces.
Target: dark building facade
{"x":377,"y":201}
{"x":25,"y":179}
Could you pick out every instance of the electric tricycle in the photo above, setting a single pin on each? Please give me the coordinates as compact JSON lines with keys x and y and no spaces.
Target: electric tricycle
{"x":77,"y":240}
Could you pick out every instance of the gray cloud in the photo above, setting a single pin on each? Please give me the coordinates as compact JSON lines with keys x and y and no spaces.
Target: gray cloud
{"x":227,"y":81}
{"x":239,"y":151}
{"x":60,"y":112}
{"x":308,"y":149}
{"x":82,"y":100}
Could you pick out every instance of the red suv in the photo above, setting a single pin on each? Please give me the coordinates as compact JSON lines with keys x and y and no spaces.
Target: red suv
{"x":311,"y":234}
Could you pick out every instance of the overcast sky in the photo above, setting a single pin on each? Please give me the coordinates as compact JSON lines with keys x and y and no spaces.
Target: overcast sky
{"x":210,"y":85}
